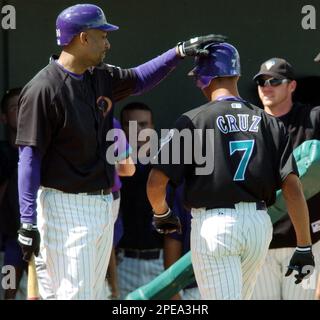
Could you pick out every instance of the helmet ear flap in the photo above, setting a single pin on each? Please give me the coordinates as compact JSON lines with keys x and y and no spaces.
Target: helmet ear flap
{"x":78,"y":18}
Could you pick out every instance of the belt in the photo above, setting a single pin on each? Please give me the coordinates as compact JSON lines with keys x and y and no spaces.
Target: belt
{"x":148,"y":254}
{"x":260,"y":205}
{"x":116,"y":195}
{"x":98,"y":192}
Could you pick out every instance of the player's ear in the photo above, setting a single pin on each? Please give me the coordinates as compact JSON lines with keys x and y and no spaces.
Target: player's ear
{"x":293,"y":85}
{"x":83,"y":37}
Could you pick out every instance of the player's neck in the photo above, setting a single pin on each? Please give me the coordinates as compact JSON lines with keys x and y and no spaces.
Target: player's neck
{"x":224,"y":92}
{"x":70,"y":63}
{"x":280,"y":109}
{"x":220,"y":87}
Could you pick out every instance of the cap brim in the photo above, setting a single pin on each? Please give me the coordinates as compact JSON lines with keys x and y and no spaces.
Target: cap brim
{"x":270,"y":74}
{"x":317,"y":58}
{"x":108,"y":27}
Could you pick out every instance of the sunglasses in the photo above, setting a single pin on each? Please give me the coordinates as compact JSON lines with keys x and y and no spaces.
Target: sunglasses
{"x":273,"y":82}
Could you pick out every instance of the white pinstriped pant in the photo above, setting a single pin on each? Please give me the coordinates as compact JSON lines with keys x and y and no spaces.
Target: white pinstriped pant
{"x":228,"y":248}
{"x":273,"y":285}
{"x":76,"y":240}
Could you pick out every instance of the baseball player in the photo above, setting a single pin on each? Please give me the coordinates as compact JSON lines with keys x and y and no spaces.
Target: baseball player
{"x":252,"y":157}
{"x":276,"y":85}
{"x":139,"y":252}
{"x":64,"y":115}
{"x":124,"y":167}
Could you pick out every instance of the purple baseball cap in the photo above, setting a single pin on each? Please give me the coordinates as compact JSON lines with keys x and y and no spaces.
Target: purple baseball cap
{"x":78,"y":18}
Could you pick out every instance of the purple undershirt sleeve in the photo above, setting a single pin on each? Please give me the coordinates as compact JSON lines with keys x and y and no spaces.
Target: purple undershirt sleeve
{"x":152,"y":72}
{"x":28,"y":182}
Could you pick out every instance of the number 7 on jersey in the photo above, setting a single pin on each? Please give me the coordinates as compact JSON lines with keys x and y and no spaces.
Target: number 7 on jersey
{"x":247,"y":147}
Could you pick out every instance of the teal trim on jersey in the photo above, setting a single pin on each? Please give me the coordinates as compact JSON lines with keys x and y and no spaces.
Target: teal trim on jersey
{"x":247,"y":147}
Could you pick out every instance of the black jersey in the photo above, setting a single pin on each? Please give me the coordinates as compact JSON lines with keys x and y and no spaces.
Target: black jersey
{"x":302,"y":123}
{"x":136,"y":211}
{"x":60,"y":115}
{"x":250,"y":152}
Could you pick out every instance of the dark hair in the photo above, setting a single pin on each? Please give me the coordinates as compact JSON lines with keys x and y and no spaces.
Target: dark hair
{"x":8,"y":95}
{"x":135,"y":106}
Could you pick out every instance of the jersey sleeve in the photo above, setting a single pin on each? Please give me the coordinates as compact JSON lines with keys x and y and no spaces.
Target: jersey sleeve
{"x":174,"y":149}
{"x":286,"y":161}
{"x":37,"y":118}
{"x":123,"y":82}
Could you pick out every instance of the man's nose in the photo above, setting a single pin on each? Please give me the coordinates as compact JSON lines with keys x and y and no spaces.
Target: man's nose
{"x":108,"y":45}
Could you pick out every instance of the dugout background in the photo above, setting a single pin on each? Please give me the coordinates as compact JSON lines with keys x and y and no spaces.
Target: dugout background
{"x":259,"y":29}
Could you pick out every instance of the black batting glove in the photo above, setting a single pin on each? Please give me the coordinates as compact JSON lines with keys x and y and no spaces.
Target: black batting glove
{"x":194,"y":46}
{"x":29,"y":240}
{"x":167,"y":223}
{"x":303,"y":262}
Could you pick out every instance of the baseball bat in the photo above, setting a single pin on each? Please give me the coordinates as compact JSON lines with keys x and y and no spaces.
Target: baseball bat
{"x":33,"y":290}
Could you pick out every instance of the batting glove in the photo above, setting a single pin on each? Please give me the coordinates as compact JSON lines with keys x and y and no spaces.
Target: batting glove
{"x":194,"y":46}
{"x":29,"y":240}
{"x":303,"y":262}
{"x":167,"y":223}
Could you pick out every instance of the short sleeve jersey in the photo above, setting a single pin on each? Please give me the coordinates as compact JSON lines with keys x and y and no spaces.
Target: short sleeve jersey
{"x":243,"y":153}
{"x":60,"y":115}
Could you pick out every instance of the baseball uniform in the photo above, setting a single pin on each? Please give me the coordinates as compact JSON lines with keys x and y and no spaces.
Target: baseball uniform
{"x":230,"y":229}
{"x":68,"y":138}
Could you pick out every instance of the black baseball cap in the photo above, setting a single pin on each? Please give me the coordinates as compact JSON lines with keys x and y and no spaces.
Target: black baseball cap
{"x":317,"y":58}
{"x":277,"y":68}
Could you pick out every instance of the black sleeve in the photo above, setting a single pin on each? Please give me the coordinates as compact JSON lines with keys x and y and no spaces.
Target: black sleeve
{"x":124,"y":82}
{"x":172,"y":154}
{"x":286,"y":161}
{"x":37,"y":117}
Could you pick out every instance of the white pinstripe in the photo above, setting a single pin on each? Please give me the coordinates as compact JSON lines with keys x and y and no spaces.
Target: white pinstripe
{"x":76,"y":241}
{"x":273,"y":285}
{"x":228,"y":247}
{"x":115,"y":209}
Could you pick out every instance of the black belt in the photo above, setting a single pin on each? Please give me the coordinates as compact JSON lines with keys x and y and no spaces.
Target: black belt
{"x":99,"y":192}
{"x":260,"y":205}
{"x":148,"y":254}
{"x":116,"y":195}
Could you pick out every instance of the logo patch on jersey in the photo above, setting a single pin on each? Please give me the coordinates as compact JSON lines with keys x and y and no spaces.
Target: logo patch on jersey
{"x":315,"y":226}
{"x":269,"y":64}
{"x":104,"y":104}
{"x":236,"y":105}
